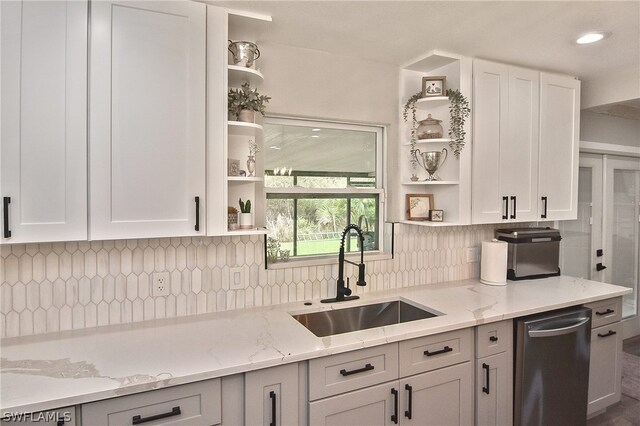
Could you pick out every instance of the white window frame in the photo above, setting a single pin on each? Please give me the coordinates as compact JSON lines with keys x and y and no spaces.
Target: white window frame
{"x":380,"y":182}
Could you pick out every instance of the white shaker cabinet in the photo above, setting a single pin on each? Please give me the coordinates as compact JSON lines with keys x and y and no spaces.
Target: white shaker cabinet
{"x":44,"y":142}
{"x":505,"y":149}
{"x":559,"y":147}
{"x":147,"y":119}
{"x":271,"y":396}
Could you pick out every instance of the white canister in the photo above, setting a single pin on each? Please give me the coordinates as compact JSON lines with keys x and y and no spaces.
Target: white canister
{"x":245,"y":220}
{"x":493,"y":264}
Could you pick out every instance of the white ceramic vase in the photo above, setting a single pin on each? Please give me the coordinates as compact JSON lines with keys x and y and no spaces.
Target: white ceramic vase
{"x":245,"y":220}
{"x":247,"y":116}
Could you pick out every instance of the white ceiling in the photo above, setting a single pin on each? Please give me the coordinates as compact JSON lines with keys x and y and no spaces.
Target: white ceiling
{"x":538,"y":34}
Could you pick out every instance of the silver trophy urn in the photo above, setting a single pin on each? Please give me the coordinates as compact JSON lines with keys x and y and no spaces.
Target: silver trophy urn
{"x":430,"y":161}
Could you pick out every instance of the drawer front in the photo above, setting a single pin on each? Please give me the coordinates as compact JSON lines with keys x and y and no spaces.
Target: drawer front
{"x":195,"y":404}
{"x":345,"y":372}
{"x":66,"y":416}
{"x":432,"y":352}
{"x":493,"y":338}
{"x":605,"y":311}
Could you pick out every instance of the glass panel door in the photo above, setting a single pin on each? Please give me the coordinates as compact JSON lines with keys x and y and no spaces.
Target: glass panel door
{"x":623,"y":230}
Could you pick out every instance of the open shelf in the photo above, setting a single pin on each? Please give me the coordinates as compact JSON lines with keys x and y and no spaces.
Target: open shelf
{"x":433,"y":182}
{"x":241,"y":128}
{"x":243,"y":179}
{"x":428,"y":223}
{"x":239,"y":75}
{"x":426,"y":141}
{"x":427,"y":103}
{"x":254,"y":231}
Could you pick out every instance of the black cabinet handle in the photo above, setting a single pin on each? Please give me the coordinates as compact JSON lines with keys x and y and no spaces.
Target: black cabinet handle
{"x":367,"y":367}
{"x":607,"y":312}
{"x":600,"y":267}
{"x":514,"y":213}
{"x":610,"y":333}
{"x":407,"y":413}
{"x":544,"y":210}
{"x":273,"y":397}
{"x":493,"y":338}
{"x":505,"y":206}
{"x":60,"y":422}
{"x":6,"y":201}
{"x":197,"y":227}
{"x":441,"y":351}
{"x":486,"y":378}
{"x":139,"y":419}
{"x":394,"y":416}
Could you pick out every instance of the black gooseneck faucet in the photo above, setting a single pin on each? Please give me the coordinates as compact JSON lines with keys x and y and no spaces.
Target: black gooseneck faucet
{"x":344,"y":292}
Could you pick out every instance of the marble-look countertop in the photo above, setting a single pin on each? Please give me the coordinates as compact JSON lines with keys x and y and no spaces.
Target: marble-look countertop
{"x":74,"y":367}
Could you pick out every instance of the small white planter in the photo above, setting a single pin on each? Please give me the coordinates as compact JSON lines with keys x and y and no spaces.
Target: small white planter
{"x":247,"y":116}
{"x":246,"y":220}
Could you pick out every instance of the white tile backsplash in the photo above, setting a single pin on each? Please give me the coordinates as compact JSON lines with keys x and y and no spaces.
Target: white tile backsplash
{"x":62,"y":286}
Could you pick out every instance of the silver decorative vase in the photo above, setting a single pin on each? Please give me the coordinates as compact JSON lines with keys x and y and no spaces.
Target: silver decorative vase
{"x":251,"y":165}
{"x":430,"y":161}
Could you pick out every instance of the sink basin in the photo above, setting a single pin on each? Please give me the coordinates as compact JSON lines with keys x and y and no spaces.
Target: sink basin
{"x":338,"y":321}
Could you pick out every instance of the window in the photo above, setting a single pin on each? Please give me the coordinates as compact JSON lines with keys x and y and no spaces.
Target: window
{"x":320,"y":177}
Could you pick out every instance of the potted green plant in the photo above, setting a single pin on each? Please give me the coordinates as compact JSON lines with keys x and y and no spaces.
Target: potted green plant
{"x":244,"y":102}
{"x":245,"y":217}
{"x":458,"y":113}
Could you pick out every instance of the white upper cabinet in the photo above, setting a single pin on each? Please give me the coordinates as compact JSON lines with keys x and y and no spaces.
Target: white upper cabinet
{"x":44,"y":142}
{"x":147,"y":119}
{"x":505,"y":153}
{"x":559,"y":147}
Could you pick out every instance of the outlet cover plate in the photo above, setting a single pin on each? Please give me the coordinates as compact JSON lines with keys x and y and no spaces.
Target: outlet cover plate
{"x":160,"y":284}
{"x":473,"y":254}
{"x":236,"y":279}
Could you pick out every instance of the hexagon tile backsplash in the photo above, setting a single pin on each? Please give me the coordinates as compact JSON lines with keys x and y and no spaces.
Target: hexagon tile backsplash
{"x":63,"y":286}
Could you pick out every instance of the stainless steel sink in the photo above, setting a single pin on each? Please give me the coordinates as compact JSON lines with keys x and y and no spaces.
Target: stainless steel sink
{"x":338,"y":321}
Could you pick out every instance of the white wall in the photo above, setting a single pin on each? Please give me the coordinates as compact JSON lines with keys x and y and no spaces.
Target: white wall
{"x":616,"y":86}
{"x":608,"y":129}
{"x":314,"y":84}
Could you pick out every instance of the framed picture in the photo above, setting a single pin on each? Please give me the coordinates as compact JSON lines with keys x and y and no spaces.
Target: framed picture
{"x":433,"y":86}
{"x":418,"y":206}
{"x":233,"y":167}
{"x":436,"y":215}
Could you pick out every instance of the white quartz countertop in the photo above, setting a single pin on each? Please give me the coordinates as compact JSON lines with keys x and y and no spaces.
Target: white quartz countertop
{"x":74,"y":367}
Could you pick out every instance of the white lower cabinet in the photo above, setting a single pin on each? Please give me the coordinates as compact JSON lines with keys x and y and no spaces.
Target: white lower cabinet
{"x":494,"y":390}
{"x":605,"y":368}
{"x":271,"y":396}
{"x":193,"y":404}
{"x":60,"y":417}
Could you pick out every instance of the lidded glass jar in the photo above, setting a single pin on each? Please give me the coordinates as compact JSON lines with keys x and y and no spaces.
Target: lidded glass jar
{"x":430,"y":128}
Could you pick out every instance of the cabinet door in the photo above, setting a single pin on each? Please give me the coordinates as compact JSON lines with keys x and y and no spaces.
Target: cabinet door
{"x":441,"y":398}
{"x":559,"y":145}
{"x":605,"y":367}
{"x":494,"y":390}
{"x":271,"y":396}
{"x":519,"y":151}
{"x":147,"y":119}
{"x":372,"y":406}
{"x":490,"y":100}
{"x":44,"y":140}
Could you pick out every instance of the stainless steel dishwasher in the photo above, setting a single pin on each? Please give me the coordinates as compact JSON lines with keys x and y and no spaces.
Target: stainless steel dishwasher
{"x":552,"y":368}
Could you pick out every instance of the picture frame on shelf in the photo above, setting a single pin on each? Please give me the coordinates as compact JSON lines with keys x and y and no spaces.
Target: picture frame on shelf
{"x":433,"y":86}
{"x":233,"y":167}
{"x":436,"y":215}
{"x":418,"y":206}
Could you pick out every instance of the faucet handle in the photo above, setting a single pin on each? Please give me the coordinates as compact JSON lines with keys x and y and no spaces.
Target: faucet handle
{"x":347,"y":290}
{"x":361,"y":279}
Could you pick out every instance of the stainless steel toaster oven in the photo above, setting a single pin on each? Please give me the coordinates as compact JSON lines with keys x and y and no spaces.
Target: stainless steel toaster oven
{"x":532,"y":252}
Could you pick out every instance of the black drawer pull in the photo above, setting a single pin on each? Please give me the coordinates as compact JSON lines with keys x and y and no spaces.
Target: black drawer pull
{"x":514,"y":212}
{"x":441,"y":351}
{"x":272,"y":395}
{"x":6,"y":201}
{"x":175,"y":411}
{"x":544,"y":213}
{"x":610,"y":333}
{"x":367,"y":367}
{"x":197,"y":227}
{"x":505,"y":209}
{"x":486,"y":377}
{"x":493,"y":338}
{"x":407,"y":413}
{"x":394,"y":416}
{"x":607,"y":312}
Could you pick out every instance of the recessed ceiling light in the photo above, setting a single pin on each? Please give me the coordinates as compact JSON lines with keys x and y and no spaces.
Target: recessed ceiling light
{"x":315,"y":136}
{"x":592,"y":37}
{"x":274,"y":147}
{"x":315,"y":130}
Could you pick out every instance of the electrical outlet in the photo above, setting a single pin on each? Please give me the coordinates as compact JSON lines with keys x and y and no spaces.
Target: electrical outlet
{"x":161,"y":284}
{"x":236,"y":279}
{"x":473,"y":254}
